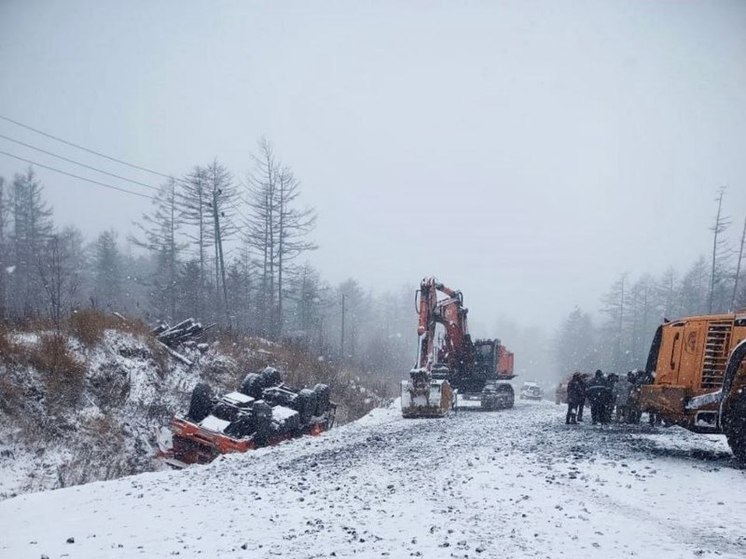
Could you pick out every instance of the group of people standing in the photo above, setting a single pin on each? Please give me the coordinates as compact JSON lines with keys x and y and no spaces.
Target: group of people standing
{"x":605,"y":394}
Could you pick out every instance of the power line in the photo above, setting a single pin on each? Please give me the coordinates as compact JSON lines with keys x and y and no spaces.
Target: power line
{"x":83,"y":148}
{"x":78,"y":163}
{"x":92,"y":181}
{"x":140,"y":194}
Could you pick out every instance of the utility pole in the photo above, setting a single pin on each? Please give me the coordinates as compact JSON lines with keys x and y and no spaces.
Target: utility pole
{"x":342,"y":340}
{"x":738,"y":268}
{"x":219,"y":244}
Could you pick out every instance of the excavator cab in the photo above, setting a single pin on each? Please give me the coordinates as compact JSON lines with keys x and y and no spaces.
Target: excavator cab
{"x":486,"y":356}
{"x":484,"y":382}
{"x":474,"y":376}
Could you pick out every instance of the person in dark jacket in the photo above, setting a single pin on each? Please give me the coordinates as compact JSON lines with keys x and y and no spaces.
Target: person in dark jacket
{"x":633,"y":403}
{"x":575,"y":397}
{"x":585,"y":377}
{"x":609,"y":400}
{"x":596,"y":392}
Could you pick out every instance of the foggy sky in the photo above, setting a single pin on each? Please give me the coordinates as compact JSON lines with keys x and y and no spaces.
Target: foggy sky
{"x":527,"y":153}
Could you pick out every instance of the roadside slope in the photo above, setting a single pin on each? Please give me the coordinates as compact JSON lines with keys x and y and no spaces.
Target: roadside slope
{"x":84,"y":403}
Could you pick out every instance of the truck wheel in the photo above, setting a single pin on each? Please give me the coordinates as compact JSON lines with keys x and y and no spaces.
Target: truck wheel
{"x":510,"y":402}
{"x":201,"y":403}
{"x":305,"y":405}
{"x":271,"y":377}
{"x":322,"y":399}
{"x":262,"y":419}
{"x":252,"y":385}
{"x":734,"y":424}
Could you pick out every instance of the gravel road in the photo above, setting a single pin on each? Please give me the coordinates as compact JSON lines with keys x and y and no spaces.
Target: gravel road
{"x":509,"y":484}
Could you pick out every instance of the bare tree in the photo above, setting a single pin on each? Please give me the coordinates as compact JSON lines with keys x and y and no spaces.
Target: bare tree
{"x":197,"y":215}
{"x":574,"y":344}
{"x":693,"y":291}
{"x":667,"y":291}
{"x":294,"y":225}
{"x":4,"y":213}
{"x":719,"y":249}
{"x":158,"y":231}
{"x":61,"y":273}
{"x":738,"y":268}
{"x":32,"y":227}
{"x":260,"y":230}
{"x":107,"y":265}
{"x":615,"y":304}
{"x":645,"y":317}
{"x":223,"y":197}
{"x":278,"y":232}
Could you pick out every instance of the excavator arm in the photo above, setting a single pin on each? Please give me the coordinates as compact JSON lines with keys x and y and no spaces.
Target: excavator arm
{"x":458,"y":348}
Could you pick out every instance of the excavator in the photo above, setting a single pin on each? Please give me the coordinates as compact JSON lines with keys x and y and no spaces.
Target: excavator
{"x":453,"y":371}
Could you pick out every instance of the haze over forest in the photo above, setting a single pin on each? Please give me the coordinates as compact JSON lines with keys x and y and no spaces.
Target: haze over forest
{"x":530,"y":155}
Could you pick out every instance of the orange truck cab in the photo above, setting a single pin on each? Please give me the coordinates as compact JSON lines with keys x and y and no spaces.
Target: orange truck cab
{"x":700,"y":376}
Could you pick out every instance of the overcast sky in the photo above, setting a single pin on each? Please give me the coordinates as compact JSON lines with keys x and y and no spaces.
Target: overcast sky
{"x":527,"y":153}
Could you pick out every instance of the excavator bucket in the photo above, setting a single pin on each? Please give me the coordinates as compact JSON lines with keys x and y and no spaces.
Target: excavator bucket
{"x":423,"y":396}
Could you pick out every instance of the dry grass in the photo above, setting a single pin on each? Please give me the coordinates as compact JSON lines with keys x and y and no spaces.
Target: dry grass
{"x":5,"y":344}
{"x":10,"y":352}
{"x":63,"y":375}
{"x":88,"y":326}
{"x":11,"y":395}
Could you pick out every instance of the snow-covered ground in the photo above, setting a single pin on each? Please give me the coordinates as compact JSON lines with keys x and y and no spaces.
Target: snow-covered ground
{"x":513,"y":484}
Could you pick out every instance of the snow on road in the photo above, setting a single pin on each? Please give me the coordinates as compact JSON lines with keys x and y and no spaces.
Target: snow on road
{"x":510,"y":484}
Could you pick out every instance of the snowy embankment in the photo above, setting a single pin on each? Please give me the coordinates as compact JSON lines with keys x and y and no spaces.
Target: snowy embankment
{"x":84,"y":403}
{"x":73,"y":413}
{"x":517,"y":483}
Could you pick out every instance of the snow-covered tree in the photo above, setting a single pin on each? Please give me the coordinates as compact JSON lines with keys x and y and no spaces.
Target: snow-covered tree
{"x":158,"y":234}
{"x":107,"y":266}
{"x":32,"y":228}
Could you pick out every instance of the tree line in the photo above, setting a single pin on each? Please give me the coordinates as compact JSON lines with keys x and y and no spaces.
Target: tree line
{"x":618,"y":337}
{"x":213,"y":247}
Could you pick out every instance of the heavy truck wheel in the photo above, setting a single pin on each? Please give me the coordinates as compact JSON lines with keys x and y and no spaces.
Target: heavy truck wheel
{"x":734,"y":423}
{"x":305,"y":405}
{"x":201,"y":403}
{"x":322,"y":399}
{"x":252,"y":385}
{"x":271,"y":377}
{"x":733,"y":407}
{"x":509,"y":395}
{"x":262,"y":418}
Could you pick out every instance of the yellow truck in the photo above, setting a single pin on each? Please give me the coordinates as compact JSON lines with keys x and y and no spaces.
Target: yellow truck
{"x":700,"y":376}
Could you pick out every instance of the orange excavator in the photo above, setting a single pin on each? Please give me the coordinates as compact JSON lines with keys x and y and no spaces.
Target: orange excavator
{"x":452,"y":371}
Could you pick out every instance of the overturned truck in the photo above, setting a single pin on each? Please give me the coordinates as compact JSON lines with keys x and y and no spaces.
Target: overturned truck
{"x":698,"y":364}
{"x":262,"y":412}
